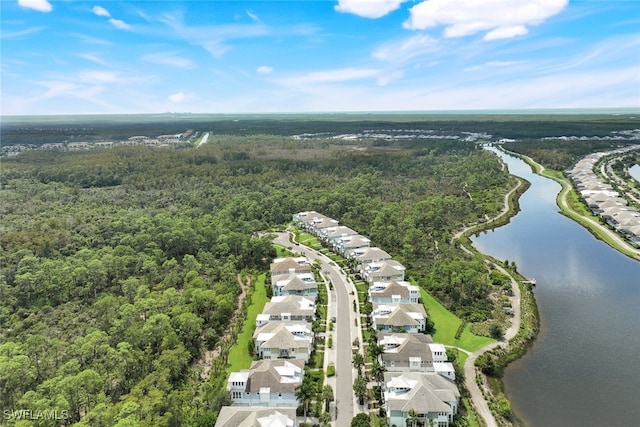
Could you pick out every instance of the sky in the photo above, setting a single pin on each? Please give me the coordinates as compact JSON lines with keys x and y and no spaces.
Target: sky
{"x":121,"y":57}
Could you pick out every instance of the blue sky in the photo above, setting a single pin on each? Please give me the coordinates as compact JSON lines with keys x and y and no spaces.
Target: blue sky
{"x":104,"y":57}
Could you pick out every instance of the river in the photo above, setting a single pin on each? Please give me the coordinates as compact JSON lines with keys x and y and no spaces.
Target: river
{"x":634,"y":171}
{"x":584,"y":367}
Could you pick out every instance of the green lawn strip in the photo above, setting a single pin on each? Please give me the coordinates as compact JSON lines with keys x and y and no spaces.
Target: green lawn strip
{"x":282,"y":251}
{"x":239,"y":357}
{"x":577,"y":210}
{"x":308,"y":240}
{"x":472,"y":420}
{"x":447,"y":323}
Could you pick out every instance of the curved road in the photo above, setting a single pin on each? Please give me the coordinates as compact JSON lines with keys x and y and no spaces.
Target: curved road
{"x":345,"y":330}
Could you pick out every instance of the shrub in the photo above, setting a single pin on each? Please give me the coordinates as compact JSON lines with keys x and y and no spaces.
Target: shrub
{"x":331,"y":370}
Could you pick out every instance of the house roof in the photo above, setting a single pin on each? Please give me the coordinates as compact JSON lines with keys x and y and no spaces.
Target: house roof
{"x":293,"y":304}
{"x":373,"y":253}
{"x":355,"y":241}
{"x":294,"y":282}
{"x":391,"y":288}
{"x":387,"y":267}
{"x":273,"y":327}
{"x":246,"y":416}
{"x":287,"y":265}
{"x":338,"y":231}
{"x":284,"y":339}
{"x":408,"y":345}
{"x":278,"y":375}
{"x":399,"y":315}
{"x":423,"y":392}
{"x":323,"y":223}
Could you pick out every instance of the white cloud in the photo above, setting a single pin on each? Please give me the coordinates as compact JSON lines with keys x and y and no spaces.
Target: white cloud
{"x":211,"y":38}
{"x":180,"y":97}
{"x":403,"y":50}
{"x":20,"y":33}
{"x":498,"y":19}
{"x":92,"y":58}
{"x":264,"y":70}
{"x":97,"y":77}
{"x":168,"y":58}
{"x":333,"y":76}
{"x":119,"y":24}
{"x":255,"y":18}
{"x":101,"y":11}
{"x":368,"y":8}
{"x":494,"y":64}
{"x":506,"y":32}
{"x":39,"y":5}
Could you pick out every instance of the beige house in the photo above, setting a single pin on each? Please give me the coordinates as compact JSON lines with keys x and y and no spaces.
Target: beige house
{"x":279,"y":340}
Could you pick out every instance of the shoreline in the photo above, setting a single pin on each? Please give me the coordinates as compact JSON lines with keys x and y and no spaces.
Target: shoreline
{"x":516,"y":345}
{"x":589,"y":222}
{"x":529,"y":328}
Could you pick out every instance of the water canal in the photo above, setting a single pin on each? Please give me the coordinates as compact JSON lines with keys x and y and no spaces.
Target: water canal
{"x":584,"y":367}
{"x":634,"y":171}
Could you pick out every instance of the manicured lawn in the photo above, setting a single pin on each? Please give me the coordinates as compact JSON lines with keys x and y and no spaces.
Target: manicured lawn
{"x":239,"y":354}
{"x":308,"y":240}
{"x":282,"y":252}
{"x":447,"y":325}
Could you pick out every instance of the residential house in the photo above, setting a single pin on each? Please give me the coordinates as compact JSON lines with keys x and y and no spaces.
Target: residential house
{"x":243,"y":416}
{"x":394,"y":292}
{"x":433,"y":398}
{"x":405,"y":352}
{"x":330,"y":234}
{"x":287,"y":308}
{"x":317,"y":224}
{"x":384,"y":271}
{"x":347,"y":244}
{"x":296,"y":284}
{"x":411,"y":318}
{"x":280,"y":340}
{"x":368,"y":255}
{"x":304,"y":219}
{"x":289,"y":265}
{"x":267,"y":383}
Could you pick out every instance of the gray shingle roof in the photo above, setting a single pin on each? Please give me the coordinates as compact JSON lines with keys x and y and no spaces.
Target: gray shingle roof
{"x":243,"y":416}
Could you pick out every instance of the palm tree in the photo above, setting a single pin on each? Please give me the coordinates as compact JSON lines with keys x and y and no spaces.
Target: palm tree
{"x":327,"y":396}
{"x":305,"y":392}
{"x":360,"y":388}
{"x":325,"y":419}
{"x":377,"y":371}
{"x":358,"y":362}
{"x":412,"y":418}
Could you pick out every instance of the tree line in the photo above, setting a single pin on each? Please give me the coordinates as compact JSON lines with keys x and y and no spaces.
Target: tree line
{"x":111,"y":289}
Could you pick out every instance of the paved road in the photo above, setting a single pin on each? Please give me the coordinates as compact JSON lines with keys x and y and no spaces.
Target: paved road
{"x":341,"y":306}
{"x":624,"y":246}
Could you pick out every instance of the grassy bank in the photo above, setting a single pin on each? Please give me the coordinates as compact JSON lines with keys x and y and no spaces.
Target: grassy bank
{"x":572,"y":206}
{"x":529,"y":319}
{"x":239,"y":357}
{"x":447,"y":324}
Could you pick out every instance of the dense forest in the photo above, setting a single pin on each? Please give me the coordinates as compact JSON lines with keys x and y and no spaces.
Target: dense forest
{"x":40,"y":130}
{"x":119,"y":267}
{"x":562,"y":154}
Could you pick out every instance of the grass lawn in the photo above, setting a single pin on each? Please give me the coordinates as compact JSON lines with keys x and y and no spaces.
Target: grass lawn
{"x":471,"y":415}
{"x":308,"y":240}
{"x":282,"y":252}
{"x":239,"y":354}
{"x":447,"y":325}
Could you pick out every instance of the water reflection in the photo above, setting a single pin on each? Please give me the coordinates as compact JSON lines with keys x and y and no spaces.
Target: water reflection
{"x":583,"y":368}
